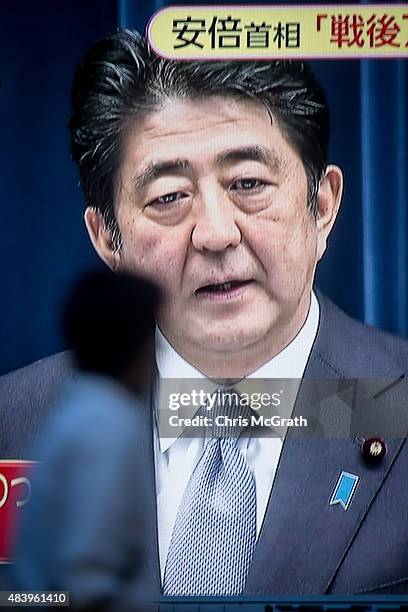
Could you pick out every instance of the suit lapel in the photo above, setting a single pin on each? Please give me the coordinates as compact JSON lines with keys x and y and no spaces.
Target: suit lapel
{"x":303,"y":538}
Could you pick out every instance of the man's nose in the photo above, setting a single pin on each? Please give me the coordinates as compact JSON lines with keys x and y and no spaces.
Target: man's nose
{"x":215,"y":228}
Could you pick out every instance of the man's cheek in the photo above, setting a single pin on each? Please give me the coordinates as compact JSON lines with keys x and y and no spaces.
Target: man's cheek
{"x":270,"y":245}
{"x":283,"y":262}
{"x":143,"y":252}
{"x":165,"y":268}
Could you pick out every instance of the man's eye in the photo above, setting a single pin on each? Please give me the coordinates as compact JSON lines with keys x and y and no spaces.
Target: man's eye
{"x":167,"y":199}
{"x":248,"y":184}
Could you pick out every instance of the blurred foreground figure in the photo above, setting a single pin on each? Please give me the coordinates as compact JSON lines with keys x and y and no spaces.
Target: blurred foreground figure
{"x":86,"y":527}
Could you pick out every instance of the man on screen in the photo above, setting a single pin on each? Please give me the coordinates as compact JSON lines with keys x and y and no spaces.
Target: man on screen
{"x":212,"y":179}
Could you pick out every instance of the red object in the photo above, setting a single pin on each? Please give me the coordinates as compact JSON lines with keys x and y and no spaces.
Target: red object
{"x":15,"y":490}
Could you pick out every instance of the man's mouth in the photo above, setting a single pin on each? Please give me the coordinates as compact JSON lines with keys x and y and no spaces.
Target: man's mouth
{"x":229,"y":288}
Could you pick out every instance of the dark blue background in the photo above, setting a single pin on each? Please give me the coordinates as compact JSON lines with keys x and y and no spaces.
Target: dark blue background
{"x":43,"y":240}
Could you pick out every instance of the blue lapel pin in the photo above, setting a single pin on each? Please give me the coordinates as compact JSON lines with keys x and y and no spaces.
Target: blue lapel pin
{"x":344,"y":490}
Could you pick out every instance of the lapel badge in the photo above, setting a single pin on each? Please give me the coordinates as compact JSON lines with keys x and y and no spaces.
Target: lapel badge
{"x":374,"y":449}
{"x":344,"y":490}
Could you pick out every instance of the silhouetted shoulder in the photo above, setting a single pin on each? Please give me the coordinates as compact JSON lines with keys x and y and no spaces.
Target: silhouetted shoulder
{"x":26,"y":397}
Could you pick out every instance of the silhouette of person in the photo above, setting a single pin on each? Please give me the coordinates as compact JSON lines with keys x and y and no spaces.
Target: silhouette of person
{"x":86,"y":528}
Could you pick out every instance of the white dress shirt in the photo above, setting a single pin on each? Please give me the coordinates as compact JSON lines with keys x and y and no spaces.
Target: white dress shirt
{"x":176,"y":458}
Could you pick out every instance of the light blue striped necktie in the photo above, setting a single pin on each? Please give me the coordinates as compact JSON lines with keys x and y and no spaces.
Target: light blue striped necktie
{"x":215,"y":530}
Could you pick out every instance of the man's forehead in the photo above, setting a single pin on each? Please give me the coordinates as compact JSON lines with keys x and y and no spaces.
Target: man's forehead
{"x":186,"y":130}
{"x":212,"y":107}
{"x":227,"y":157}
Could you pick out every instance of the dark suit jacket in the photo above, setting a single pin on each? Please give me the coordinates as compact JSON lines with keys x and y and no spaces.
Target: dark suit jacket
{"x":306,"y":546}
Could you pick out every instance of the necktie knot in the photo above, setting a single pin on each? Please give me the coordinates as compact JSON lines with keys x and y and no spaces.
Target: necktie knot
{"x":228,"y":417}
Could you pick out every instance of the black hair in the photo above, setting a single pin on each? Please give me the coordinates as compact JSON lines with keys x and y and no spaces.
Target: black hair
{"x":120,"y":77}
{"x":108,"y":320}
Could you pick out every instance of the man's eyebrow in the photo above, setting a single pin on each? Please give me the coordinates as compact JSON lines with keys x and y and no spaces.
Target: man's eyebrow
{"x":155,"y":170}
{"x":257,"y":153}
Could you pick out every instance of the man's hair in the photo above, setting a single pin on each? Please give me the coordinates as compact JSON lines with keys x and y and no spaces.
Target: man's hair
{"x":108,"y":320}
{"x":120,"y":78}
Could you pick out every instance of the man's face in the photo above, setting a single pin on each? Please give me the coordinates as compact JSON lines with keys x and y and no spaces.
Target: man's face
{"x":212,"y":204}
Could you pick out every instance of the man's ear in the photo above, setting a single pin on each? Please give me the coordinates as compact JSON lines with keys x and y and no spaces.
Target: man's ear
{"x":101,"y":237}
{"x":328,"y":204}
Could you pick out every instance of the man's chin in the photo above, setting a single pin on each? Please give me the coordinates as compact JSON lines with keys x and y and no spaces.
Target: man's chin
{"x":229,"y":341}
{"x":226,"y":357}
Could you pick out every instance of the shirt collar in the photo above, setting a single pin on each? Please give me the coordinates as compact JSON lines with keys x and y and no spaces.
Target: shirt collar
{"x":289,"y":363}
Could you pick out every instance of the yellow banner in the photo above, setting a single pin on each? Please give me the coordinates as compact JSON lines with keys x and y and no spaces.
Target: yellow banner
{"x":260,"y":32}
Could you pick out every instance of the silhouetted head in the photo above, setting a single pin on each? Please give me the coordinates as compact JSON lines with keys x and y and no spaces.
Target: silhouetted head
{"x":109,"y":321}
